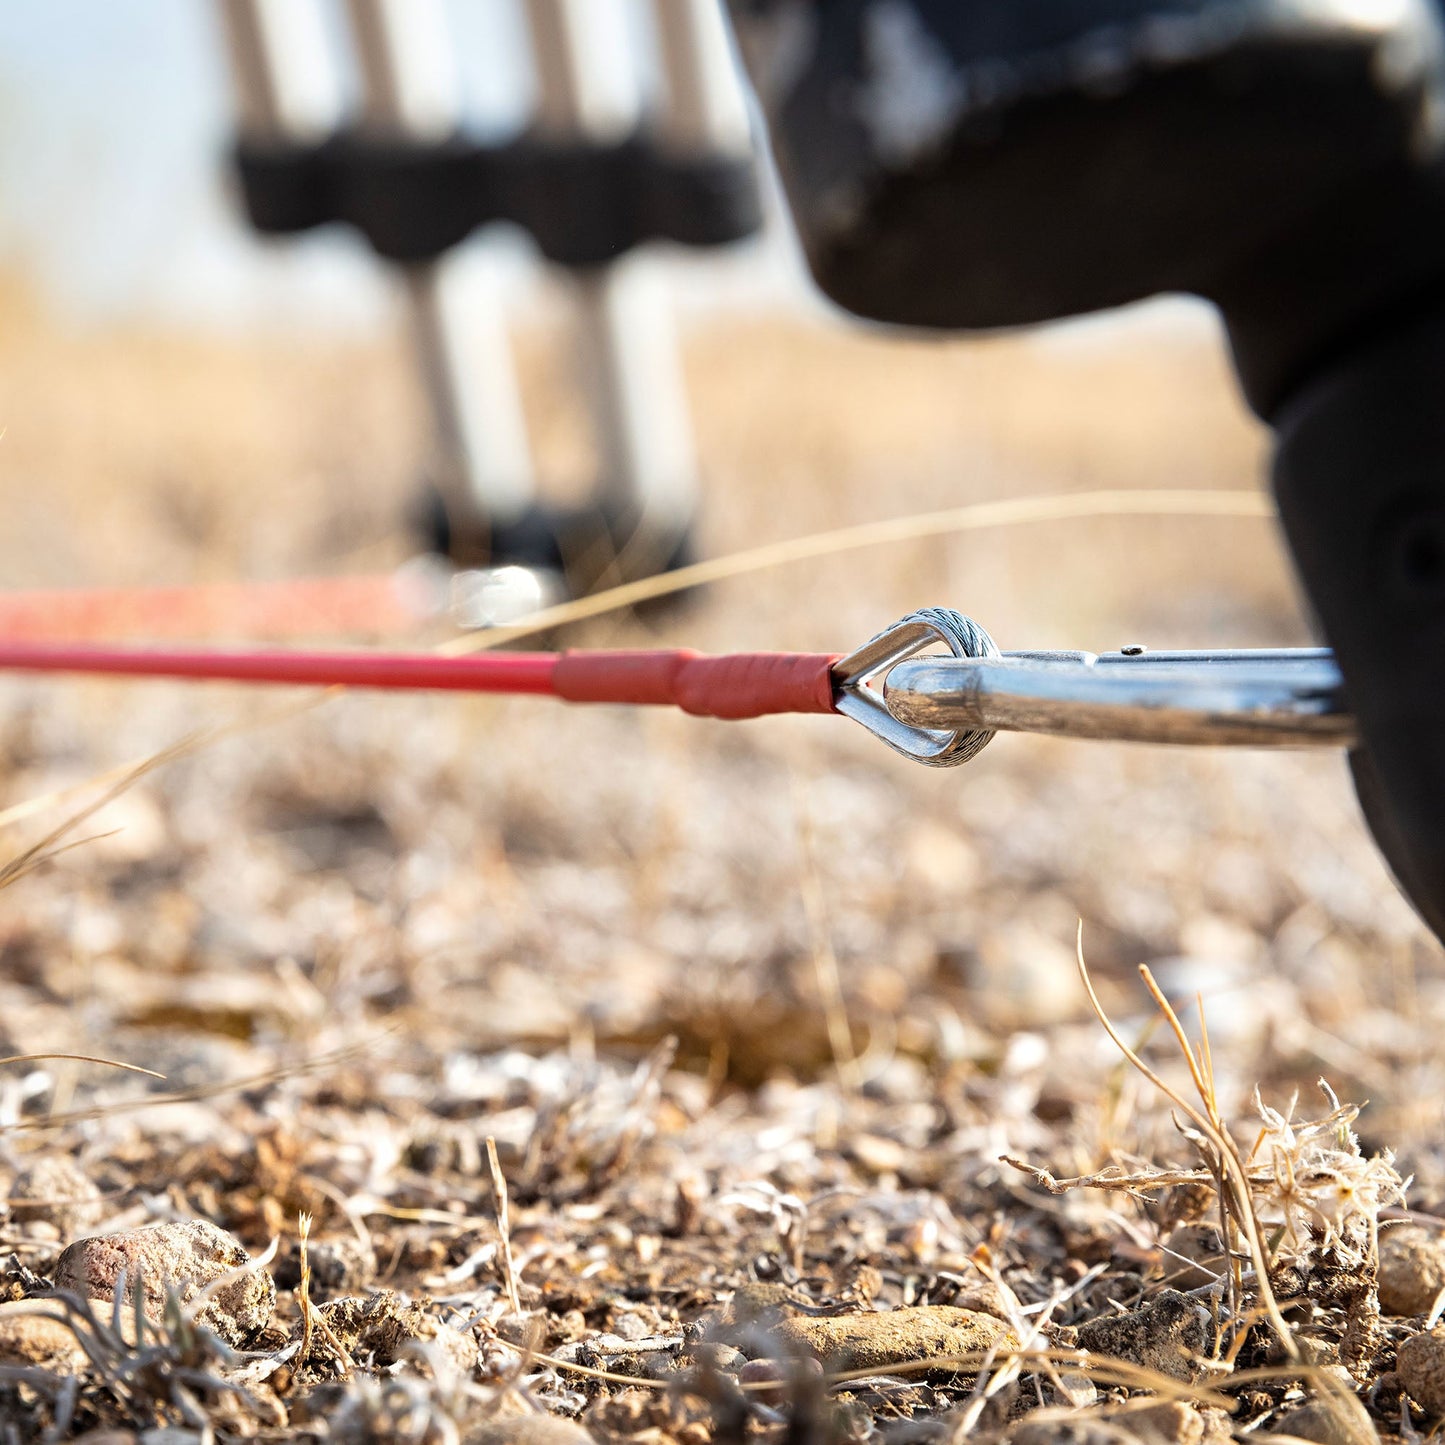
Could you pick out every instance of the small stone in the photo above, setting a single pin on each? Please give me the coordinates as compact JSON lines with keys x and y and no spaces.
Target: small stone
{"x":1170,"y":1422}
{"x":386,"y":1327}
{"x":186,"y":1255}
{"x":1421,"y":1366}
{"x":724,"y":1358}
{"x":631,"y":1327}
{"x":105,"y":1437}
{"x":54,"y":1191}
{"x":1412,"y":1269}
{"x":894,"y":1337}
{"x":521,"y":1329}
{"x":768,"y":1380}
{"x":761,"y":1305}
{"x":32,"y":1334}
{"x":1193,"y":1256}
{"x":876,"y":1155}
{"x":1170,"y":1334}
{"x":527,"y":1430}
{"x":1326,"y":1421}
{"x":1075,"y":1390}
{"x":987,"y":1296}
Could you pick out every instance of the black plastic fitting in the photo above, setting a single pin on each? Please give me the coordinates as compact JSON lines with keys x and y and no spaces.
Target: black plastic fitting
{"x":583,"y":203}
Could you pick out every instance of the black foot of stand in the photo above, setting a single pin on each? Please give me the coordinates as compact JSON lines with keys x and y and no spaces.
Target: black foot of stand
{"x":589,"y":547}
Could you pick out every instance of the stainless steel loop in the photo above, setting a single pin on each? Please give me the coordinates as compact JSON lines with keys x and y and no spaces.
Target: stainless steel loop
{"x":935,"y":747}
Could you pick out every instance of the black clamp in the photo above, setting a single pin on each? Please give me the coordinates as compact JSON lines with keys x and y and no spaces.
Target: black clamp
{"x":584,"y":203}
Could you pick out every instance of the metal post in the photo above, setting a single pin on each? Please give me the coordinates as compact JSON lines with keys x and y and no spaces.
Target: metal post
{"x":627,"y":341}
{"x":483,"y":461}
{"x":701,"y":109}
{"x":285,"y":82}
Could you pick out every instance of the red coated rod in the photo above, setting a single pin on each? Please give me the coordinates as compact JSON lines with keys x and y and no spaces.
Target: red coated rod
{"x":733,"y":685}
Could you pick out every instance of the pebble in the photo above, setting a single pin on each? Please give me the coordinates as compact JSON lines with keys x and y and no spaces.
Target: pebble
{"x":187,"y":1255}
{"x":55,"y":1191}
{"x":1170,"y":1334}
{"x":1422,"y":1367}
{"x":1326,"y":1421}
{"x":527,"y":1430}
{"x":1171,"y":1422}
{"x":1193,"y":1257}
{"x":1075,"y":1390}
{"x":1412,"y":1269}
{"x":894,"y":1337}
{"x":32,"y":1334}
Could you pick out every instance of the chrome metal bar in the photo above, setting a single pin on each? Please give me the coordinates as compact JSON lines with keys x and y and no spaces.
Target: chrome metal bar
{"x":1274,"y":698}
{"x":482,"y":460}
{"x":627,"y":340}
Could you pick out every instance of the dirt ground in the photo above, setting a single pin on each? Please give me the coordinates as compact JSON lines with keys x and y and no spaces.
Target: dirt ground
{"x":751,"y":1011}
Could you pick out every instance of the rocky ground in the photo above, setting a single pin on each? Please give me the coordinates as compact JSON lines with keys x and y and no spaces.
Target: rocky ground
{"x":542,"y":1074}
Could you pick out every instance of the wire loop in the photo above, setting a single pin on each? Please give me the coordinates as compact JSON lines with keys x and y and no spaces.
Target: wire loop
{"x":857,"y":699}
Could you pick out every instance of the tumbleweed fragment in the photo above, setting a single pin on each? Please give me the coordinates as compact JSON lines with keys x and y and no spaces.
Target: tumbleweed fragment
{"x":1170,"y":1334}
{"x":56,"y":1191}
{"x":187,"y":1255}
{"x":1412,"y":1269}
{"x":1422,"y":1368}
{"x":35,"y":1334}
{"x":895,"y":1337}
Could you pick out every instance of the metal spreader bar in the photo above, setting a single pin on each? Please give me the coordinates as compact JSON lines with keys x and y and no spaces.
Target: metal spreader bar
{"x":942,"y":710}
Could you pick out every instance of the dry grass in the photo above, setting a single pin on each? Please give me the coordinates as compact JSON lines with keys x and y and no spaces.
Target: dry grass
{"x":687,"y":1008}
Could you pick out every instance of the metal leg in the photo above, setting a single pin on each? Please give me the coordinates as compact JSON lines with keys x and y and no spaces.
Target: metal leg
{"x":483,"y":463}
{"x":627,"y":339}
{"x":702,"y":110}
{"x":285,"y":82}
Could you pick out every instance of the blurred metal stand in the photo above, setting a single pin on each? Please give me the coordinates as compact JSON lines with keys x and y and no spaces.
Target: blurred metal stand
{"x":628,"y":343}
{"x":484,"y":465}
{"x":594,"y":177}
{"x":287,"y":89}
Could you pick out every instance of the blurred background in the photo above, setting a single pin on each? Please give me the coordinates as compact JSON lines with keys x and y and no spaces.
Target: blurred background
{"x":184,"y":402}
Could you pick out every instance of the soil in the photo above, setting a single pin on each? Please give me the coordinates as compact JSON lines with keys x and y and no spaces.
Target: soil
{"x":741,"y":1005}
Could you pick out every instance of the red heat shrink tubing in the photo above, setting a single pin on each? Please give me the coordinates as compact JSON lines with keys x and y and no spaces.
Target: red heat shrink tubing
{"x":731,"y":685}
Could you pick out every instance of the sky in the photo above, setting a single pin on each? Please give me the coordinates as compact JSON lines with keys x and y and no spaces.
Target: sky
{"x":115,"y":117}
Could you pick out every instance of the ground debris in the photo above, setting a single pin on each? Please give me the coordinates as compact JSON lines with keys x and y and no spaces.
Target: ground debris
{"x":1171,"y":1334}
{"x":364,"y":940}
{"x":384,"y":1328}
{"x":527,"y":1430}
